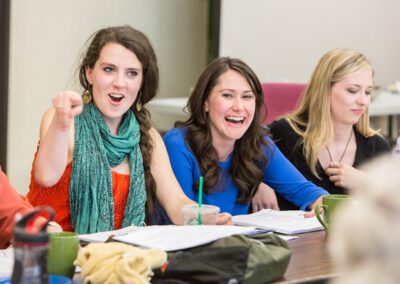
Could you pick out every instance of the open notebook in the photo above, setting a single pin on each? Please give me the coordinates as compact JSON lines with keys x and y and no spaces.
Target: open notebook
{"x":170,"y":237}
{"x":285,"y":222}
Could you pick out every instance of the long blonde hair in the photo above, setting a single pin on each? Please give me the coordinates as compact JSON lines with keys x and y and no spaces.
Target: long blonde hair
{"x":312,"y":119}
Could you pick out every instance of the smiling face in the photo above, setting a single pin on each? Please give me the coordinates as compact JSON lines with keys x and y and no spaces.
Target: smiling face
{"x":230,"y":106}
{"x":116,"y":78}
{"x":351,"y":96}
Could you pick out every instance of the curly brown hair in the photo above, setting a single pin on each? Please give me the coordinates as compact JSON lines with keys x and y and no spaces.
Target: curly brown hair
{"x":248,"y":157}
{"x":139,"y":44}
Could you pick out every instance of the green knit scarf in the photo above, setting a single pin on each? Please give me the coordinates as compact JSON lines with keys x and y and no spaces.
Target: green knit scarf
{"x":95,"y":151}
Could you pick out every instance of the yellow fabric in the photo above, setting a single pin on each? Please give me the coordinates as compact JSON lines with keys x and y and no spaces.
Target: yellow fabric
{"x":118,"y":263}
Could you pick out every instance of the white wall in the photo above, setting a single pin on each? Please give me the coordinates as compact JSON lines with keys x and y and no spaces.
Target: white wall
{"x":282,"y":40}
{"x":47,"y":37}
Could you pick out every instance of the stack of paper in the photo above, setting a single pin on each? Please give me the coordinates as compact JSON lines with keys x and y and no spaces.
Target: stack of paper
{"x":285,"y":222}
{"x":102,"y":237}
{"x":169,"y":238}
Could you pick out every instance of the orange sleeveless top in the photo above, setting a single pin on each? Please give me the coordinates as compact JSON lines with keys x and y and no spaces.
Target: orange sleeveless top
{"x":57,"y":197}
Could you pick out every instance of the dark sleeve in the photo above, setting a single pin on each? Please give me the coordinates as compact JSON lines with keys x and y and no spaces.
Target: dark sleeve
{"x":381,"y":146}
{"x":286,"y":139}
{"x":369,"y":148}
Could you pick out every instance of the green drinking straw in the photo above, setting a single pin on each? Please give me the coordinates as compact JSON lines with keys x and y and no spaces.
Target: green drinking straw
{"x":200,"y":199}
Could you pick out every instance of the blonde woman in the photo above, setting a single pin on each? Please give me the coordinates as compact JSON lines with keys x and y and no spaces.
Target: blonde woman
{"x":328,"y":136}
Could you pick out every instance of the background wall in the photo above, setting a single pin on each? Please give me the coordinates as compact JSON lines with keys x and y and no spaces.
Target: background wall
{"x":281,"y":39}
{"x":286,"y":38}
{"x":47,"y":37}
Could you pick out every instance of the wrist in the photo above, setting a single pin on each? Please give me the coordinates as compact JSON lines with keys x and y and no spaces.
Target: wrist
{"x":53,"y":227}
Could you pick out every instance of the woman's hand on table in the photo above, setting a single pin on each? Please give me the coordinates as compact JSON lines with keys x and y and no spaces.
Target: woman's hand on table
{"x":311,"y":213}
{"x":265,"y":198}
{"x":52,"y":227}
{"x":224,"y":219}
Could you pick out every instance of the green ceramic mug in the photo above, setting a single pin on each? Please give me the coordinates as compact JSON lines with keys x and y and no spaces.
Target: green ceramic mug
{"x":63,"y":250}
{"x":330,"y":204}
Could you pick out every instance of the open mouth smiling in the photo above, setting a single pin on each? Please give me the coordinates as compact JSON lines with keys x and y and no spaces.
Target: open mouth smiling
{"x":116,"y":97}
{"x":235,"y":119}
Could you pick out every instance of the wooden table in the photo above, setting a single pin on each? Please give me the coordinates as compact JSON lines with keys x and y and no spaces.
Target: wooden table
{"x":310,"y":259}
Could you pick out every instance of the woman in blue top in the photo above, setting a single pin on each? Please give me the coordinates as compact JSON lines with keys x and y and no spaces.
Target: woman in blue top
{"x":224,"y":141}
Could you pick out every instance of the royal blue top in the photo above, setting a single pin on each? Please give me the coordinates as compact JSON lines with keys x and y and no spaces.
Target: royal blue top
{"x":279,"y":174}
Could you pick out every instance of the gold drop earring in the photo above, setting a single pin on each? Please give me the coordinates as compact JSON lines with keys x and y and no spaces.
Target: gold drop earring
{"x":87,"y":96}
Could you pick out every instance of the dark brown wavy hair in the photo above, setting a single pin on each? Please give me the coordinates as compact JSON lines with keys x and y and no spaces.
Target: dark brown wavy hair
{"x":139,"y":44}
{"x":248,"y":158}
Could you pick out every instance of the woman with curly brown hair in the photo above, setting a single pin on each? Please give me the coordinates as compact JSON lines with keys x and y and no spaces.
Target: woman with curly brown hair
{"x":225,"y":142}
{"x":100,"y":163}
